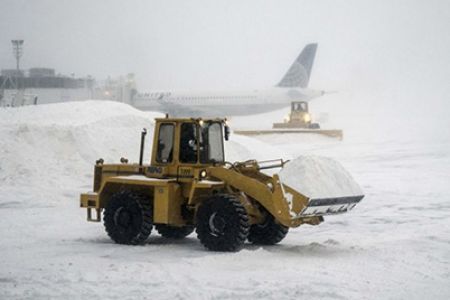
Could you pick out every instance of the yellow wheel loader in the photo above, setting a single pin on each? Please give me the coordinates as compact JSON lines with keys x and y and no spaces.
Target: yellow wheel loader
{"x":299,"y":117}
{"x":189,"y":185}
{"x":298,"y":121}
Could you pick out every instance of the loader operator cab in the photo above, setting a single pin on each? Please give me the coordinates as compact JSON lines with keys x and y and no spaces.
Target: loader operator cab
{"x":199,"y":141}
{"x":299,"y":106}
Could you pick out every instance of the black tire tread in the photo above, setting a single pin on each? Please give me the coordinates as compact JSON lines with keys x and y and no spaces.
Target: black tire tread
{"x":129,"y":198}
{"x":269,"y":233}
{"x":237,"y":233}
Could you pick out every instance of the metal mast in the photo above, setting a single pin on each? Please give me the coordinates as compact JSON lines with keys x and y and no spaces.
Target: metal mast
{"x":18,"y":51}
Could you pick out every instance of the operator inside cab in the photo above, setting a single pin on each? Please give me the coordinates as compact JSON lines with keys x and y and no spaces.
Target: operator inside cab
{"x":299,"y":106}
{"x":201,"y":143}
{"x":188,"y":143}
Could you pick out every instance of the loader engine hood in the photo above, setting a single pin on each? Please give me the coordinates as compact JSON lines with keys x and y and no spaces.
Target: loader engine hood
{"x":330,"y":189}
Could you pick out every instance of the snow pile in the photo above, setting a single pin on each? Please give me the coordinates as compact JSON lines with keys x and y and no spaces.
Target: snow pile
{"x":319,"y":177}
{"x":56,"y":144}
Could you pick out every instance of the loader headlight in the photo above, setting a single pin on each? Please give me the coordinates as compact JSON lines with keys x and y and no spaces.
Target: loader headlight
{"x":203,"y":174}
{"x":307,"y":118}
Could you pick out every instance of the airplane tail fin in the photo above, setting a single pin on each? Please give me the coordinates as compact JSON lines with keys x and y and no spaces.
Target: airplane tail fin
{"x":298,"y":74}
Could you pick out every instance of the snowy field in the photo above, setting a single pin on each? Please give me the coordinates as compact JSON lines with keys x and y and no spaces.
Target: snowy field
{"x":394,"y":245}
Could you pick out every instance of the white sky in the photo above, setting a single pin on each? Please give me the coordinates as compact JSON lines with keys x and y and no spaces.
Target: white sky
{"x":399,"y":47}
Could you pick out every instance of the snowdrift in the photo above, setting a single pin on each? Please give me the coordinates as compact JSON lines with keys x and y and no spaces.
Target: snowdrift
{"x":42,"y":145}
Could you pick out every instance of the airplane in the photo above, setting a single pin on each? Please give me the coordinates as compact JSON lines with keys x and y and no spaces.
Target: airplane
{"x":292,"y":87}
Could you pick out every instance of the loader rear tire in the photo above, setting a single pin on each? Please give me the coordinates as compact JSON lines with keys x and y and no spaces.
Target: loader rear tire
{"x":174,"y":232}
{"x":268,"y":233}
{"x":222,"y":223}
{"x":128,"y":218}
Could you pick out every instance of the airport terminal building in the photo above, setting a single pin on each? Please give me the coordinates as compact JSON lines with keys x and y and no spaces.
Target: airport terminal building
{"x":42,"y":85}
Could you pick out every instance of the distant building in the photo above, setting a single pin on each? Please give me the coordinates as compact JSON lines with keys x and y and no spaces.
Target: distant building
{"x":41,"y":72}
{"x":42,"y":85}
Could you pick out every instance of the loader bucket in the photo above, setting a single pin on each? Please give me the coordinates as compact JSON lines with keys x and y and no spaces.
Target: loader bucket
{"x":318,"y":206}
{"x":318,"y":186}
{"x":328,"y":206}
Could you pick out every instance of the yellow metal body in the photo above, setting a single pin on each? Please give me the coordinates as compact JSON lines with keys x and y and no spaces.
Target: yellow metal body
{"x":177,"y":188}
{"x":299,"y":117}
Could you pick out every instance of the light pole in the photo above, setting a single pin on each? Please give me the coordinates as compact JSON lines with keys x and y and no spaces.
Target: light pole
{"x":18,"y":51}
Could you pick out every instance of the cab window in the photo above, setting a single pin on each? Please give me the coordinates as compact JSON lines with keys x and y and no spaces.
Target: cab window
{"x":165,"y":143}
{"x":213,"y":140}
{"x":188,"y":143}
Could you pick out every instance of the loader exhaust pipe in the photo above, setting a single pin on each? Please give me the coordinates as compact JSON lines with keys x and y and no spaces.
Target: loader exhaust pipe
{"x":141,"y":154}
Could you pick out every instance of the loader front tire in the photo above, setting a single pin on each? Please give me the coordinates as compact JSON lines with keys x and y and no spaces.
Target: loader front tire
{"x":267,"y":233}
{"x":222,"y":223}
{"x":128,"y":218}
{"x":174,"y":232}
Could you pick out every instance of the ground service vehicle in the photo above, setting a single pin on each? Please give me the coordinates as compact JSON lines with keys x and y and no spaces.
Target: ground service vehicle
{"x":298,"y":121}
{"x":188,"y":185}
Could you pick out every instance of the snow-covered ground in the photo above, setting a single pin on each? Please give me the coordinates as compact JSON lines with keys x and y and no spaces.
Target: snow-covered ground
{"x":394,"y":245}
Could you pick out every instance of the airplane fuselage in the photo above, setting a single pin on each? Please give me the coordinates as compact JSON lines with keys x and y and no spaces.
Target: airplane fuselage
{"x":220,"y":104}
